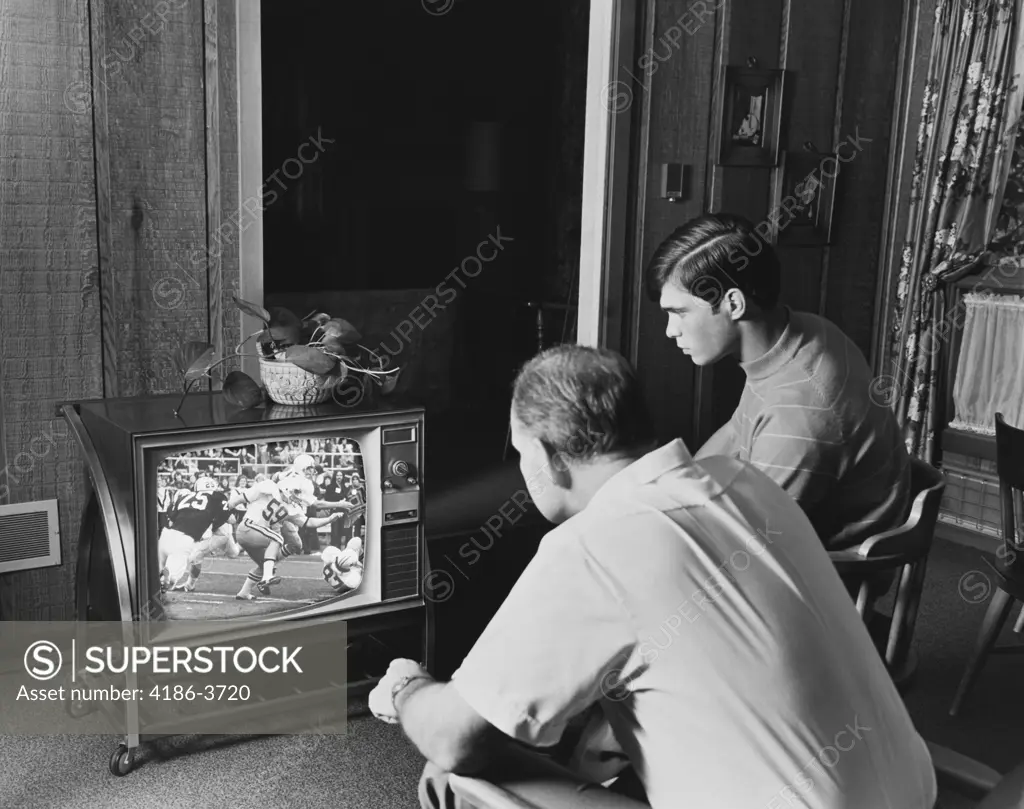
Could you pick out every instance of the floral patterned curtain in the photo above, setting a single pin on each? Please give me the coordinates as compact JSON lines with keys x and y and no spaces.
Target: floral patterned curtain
{"x":1009,"y":247}
{"x":972,"y":104}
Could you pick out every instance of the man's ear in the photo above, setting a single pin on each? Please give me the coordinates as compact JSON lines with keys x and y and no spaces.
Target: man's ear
{"x":557,"y":465}
{"x":735,"y":303}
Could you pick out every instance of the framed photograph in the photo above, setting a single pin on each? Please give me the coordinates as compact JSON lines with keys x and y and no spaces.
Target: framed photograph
{"x":750,"y":130}
{"x":805,"y":199}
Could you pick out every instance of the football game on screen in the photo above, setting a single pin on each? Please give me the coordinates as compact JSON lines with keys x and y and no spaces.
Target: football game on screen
{"x":258,"y":528}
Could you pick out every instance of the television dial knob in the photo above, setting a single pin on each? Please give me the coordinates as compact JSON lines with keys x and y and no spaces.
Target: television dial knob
{"x":400,"y":469}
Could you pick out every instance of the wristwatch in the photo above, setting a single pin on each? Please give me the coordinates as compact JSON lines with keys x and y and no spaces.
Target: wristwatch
{"x":397,"y":688}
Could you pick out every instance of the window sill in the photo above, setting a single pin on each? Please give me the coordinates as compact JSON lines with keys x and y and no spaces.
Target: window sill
{"x":974,"y":445}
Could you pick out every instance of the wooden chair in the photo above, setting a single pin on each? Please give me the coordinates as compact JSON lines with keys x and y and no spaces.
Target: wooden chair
{"x":527,"y":780}
{"x":547,"y":786}
{"x":905,"y":549}
{"x":1008,"y":570}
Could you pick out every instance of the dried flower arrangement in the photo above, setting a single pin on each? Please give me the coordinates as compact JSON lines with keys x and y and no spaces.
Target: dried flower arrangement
{"x":302,"y":360}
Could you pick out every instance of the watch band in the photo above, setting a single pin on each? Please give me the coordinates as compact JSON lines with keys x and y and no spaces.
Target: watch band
{"x":398,"y":687}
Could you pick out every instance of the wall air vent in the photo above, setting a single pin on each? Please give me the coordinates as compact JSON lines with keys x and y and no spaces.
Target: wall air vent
{"x":29,"y":536}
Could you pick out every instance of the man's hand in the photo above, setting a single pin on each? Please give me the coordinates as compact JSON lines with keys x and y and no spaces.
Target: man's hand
{"x":381,"y":700}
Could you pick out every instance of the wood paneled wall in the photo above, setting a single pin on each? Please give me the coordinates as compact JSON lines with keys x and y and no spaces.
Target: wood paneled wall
{"x":843,"y":58}
{"x":49,"y":282}
{"x":118,"y":181}
{"x":676,"y":114}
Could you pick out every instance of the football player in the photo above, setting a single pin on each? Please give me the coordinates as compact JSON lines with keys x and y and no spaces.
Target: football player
{"x":273,"y":512}
{"x":194,"y":514}
{"x":304,"y":465}
{"x":343,"y":569}
{"x":176,"y":494}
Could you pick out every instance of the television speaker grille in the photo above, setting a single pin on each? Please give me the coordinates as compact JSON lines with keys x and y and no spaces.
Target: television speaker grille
{"x":29,"y":536}
{"x":401,"y":556}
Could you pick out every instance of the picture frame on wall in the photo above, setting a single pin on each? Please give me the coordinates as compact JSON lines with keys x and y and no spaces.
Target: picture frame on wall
{"x":805,"y":199}
{"x":750,"y":130}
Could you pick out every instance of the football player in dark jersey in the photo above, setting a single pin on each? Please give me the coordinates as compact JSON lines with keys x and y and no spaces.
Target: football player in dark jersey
{"x":204,"y":510}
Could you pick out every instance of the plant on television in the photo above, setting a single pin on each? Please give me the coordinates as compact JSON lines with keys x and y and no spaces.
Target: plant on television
{"x":320,"y":344}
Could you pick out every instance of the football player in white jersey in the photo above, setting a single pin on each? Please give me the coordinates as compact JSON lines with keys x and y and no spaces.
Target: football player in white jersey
{"x":305,"y":466}
{"x":343,"y":569}
{"x":262,"y":534}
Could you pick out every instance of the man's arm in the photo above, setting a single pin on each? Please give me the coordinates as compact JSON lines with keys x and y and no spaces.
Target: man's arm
{"x":445,"y":728}
{"x":246,"y":496}
{"x":544,"y":658}
{"x":331,"y":505}
{"x":302,"y":521}
{"x":723,"y":442}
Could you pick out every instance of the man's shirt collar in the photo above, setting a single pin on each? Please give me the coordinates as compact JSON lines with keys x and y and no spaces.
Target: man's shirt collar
{"x":672,"y":457}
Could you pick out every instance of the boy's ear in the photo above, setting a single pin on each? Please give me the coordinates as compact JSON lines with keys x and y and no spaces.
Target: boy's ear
{"x":736,"y":303}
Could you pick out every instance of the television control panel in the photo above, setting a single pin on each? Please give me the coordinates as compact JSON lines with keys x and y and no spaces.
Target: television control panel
{"x":400,"y":484}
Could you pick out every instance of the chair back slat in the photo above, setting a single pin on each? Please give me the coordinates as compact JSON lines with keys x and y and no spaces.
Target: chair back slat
{"x":1018,"y":513}
{"x":1010,"y":467}
{"x":1009,"y":453}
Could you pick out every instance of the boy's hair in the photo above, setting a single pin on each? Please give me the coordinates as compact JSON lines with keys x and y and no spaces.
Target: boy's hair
{"x":712,"y":254}
{"x":584,"y":402}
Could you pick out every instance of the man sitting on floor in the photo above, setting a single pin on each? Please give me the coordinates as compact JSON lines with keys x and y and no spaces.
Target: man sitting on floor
{"x":691,"y":601}
{"x":807,"y":417}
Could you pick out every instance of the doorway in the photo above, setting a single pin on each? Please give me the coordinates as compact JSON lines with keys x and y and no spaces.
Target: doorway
{"x":422,"y":149}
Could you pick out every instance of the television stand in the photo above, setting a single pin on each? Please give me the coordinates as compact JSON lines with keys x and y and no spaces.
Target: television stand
{"x":373,"y":640}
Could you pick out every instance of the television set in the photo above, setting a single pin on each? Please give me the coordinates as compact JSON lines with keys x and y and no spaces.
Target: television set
{"x":277,"y":512}
{"x":266,"y":526}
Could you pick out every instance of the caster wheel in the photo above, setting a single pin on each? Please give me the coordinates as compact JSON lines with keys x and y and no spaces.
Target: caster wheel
{"x":121,"y":761}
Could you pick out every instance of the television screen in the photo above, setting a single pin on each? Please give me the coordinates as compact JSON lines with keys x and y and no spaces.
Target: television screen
{"x":256,"y":528}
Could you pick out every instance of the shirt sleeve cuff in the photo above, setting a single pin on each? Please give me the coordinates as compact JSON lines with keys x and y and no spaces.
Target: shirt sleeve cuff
{"x":510,"y":720}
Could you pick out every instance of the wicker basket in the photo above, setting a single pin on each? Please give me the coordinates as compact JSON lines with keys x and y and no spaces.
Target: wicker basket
{"x":288,"y":384}
{"x":280,"y":411}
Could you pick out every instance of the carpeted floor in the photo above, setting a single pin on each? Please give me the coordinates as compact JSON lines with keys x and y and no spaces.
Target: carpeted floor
{"x":373,"y":766}
{"x":990,"y":727}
